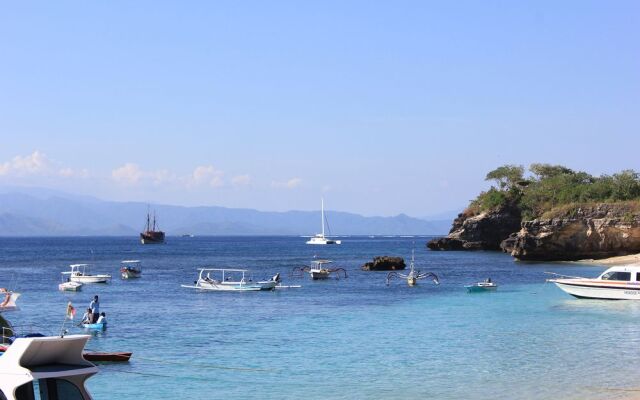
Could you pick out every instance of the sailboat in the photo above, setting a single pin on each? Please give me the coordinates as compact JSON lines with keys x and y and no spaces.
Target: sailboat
{"x":320,"y":238}
{"x":150,"y":234}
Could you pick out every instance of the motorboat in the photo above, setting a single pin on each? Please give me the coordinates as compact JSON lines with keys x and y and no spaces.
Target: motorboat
{"x":228,"y":280}
{"x":69,"y":286}
{"x":51,"y":367}
{"x":484,"y":286}
{"x":130,"y":269}
{"x":616,"y":283}
{"x":320,"y":238}
{"x":78,"y":273}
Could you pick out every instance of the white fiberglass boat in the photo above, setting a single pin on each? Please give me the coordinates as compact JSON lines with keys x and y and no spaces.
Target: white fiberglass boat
{"x":47,"y":368}
{"x":320,"y":238}
{"x":616,"y":283}
{"x":228,"y":280}
{"x":68,"y":286}
{"x":8,"y":300}
{"x":78,"y":273}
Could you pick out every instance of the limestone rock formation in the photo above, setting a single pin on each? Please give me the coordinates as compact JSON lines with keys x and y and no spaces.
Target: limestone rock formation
{"x":484,"y":231}
{"x":601,"y":231}
{"x":384,"y":263}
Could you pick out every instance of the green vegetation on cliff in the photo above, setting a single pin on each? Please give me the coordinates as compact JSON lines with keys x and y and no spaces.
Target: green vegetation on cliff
{"x":553,"y":190}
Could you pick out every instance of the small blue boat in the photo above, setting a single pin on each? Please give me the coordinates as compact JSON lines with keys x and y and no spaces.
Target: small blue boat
{"x":97,"y":327}
{"x":486,"y":286}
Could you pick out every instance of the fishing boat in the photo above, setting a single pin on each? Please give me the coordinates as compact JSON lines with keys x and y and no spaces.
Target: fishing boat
{"x":130,"y":269}
{"x":229,"y":280}
{"x":50,"y":367}
{"x":78,"y":273}
{"x":151,"y":234}
{"x":616,"y":283}
{"x":320,"y":238}
{"x":484,"y":286}
{"x":318,"y":270}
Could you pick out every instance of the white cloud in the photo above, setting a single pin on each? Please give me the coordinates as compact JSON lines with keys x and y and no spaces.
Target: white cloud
{"x":206,"y":175}
{"x":37,"y":163}
{"x":128,"y":174}
{"x":241,"y":180}
{"x":290,"y":184}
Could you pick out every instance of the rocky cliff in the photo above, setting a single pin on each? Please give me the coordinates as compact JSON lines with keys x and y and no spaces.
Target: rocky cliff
{"x":384,"y":263}
{"x":484,"y":231}
{"x":599,"y":231}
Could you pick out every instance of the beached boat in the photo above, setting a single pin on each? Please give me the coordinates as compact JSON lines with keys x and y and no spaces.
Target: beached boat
{"x":320,"y":238}
{"x":485,"y":286}
{"x":50,"y":367}
{"x":616,"y":283}
{"x":228,"y":280}
{"x":130,"y":269}
{"x":78,"y":273}
{"x":151,"y":234}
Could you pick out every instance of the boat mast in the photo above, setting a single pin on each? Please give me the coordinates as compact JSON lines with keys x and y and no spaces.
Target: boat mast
{"x":322,"y":214}
{"x":154,"y":220}
{"x":148,"y":221}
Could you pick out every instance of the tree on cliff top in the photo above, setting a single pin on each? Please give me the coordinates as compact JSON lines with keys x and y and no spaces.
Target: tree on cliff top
{"x":507,"y":176}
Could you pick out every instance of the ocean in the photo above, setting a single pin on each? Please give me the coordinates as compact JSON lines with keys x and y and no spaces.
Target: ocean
{"x":352,"y":338}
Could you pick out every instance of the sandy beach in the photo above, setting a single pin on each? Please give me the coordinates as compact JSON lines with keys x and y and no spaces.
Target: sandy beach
{"x":613,"y":261}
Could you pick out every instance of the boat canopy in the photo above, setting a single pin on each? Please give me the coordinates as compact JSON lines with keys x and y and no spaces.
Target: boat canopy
{"x":130,"y":262}
{"x":78,"y":265}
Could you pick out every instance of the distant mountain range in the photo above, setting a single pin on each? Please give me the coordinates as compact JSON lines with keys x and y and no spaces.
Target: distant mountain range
{"x":43,"y":212}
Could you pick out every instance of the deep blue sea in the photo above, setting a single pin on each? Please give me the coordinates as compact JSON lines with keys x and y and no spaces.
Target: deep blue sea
{"x":351,"y":338}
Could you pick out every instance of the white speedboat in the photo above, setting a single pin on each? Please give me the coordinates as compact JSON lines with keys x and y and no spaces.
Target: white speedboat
{"x":50,"y":367}
{"x":130,"y":269}
{"x":616,"y":283}
{"x":228,"y":280}
{"x":320,"y":238}
{"x":78,"y":273}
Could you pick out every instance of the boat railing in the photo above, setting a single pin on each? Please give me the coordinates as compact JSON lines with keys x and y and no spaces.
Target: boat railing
{"x":563,"y":276}
{"x":10,"y":333}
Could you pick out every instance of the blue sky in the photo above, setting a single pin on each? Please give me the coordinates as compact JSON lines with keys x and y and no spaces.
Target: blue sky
{"x":380,"y":107}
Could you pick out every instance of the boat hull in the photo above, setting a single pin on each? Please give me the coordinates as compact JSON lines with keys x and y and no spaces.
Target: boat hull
{"x":70,"y":287}
{"x":130,"y":273}
{"x":323,"y":241}
{"x":95,"y":327}
{"x":152,"y":237}
{"x":90,"y":278}
{"x":319,"y":275}
{"x":96,"y":356}
{"x":480,"y":289}
{"x":591,"y":291}
{"x":223,"y":288}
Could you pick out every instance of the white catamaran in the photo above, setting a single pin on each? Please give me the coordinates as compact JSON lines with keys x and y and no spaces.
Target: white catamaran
{"x":320,"y":238}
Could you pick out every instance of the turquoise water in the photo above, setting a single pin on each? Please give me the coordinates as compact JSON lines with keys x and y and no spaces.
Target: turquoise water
{"x":339,"y":339}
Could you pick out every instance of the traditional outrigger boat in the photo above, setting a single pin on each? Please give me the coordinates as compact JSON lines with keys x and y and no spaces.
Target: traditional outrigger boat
{"x":616,"y":283}
{"x":230,"y":280}
{"x":130,"y":269}
{"x":78,"y":273}
{"x":318,"y":270}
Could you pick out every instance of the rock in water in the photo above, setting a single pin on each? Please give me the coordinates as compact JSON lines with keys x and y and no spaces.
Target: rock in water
{"x":384,"y":263}
{"x":601,"y":231}
{"x":483,"y":231}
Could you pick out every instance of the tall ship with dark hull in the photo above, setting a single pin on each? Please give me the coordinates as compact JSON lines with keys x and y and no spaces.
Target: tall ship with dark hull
{"x":151,"y":234}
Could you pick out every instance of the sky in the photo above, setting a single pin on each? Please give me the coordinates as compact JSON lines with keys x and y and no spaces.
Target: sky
{"x":379,"y":107}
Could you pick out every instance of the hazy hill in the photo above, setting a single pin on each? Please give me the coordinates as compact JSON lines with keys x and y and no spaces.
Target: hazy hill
{"x":41,"y":212}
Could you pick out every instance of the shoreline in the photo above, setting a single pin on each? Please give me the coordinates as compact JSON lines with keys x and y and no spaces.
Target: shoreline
{"x":612,"y":261}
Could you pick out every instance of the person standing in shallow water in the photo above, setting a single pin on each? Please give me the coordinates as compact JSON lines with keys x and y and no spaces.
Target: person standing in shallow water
{"x":95,"y":309}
